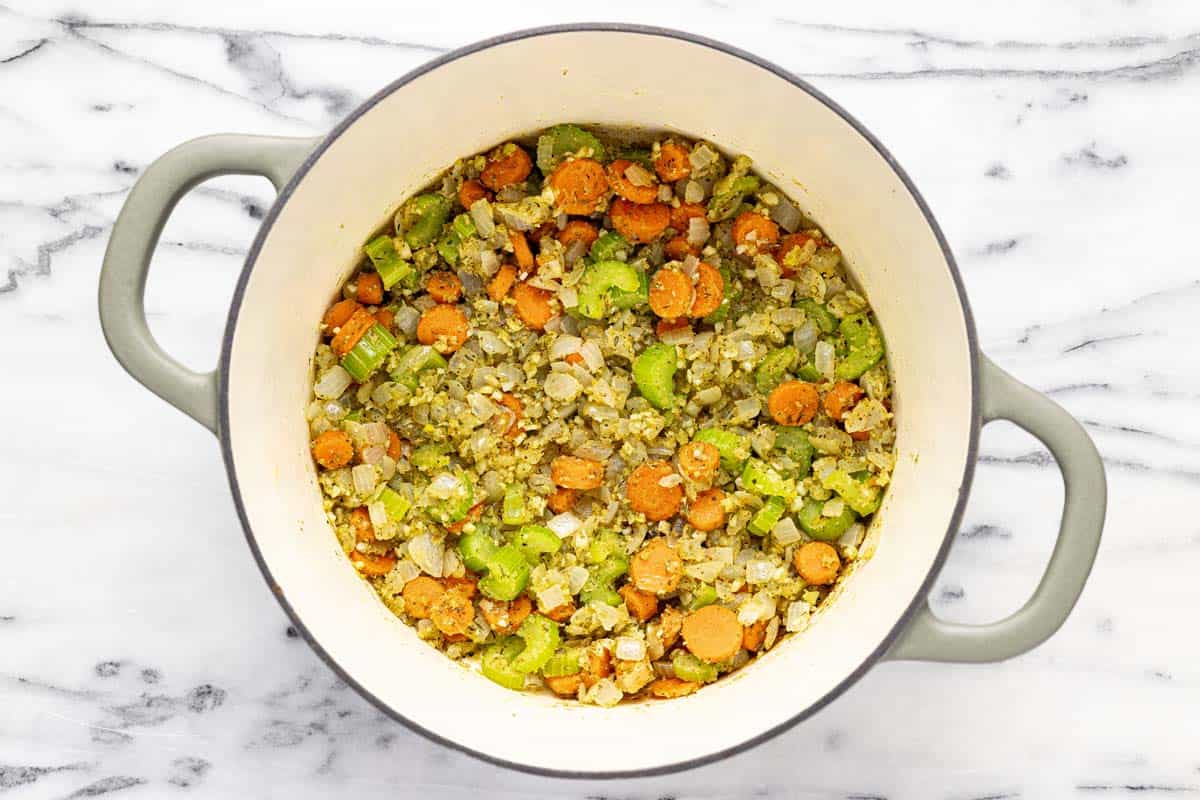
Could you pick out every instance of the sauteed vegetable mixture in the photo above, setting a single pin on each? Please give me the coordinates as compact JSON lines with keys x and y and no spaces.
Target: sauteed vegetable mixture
{"x":604,"y":418}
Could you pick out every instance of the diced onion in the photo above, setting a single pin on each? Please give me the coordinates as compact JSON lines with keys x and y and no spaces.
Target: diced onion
{"x":489,"y":262}
{"x":491,"y":344}
{"x":577,"y":576}
{"x":562,"y":387}
{"x":786,"y":532}
{"x":481,"y":215}
{"x":759,"y":571}
{"x":564,"y":346}
{"x":698,"y":231}
{"x":630,"y":649}
{"x":787,"y":215}
{"x":365,"y":478}
{"x":823,"y":359}
{"x":332,"y":383}
{"x":407,"y":318}
{"x":564,"y":524}
{"x":639,"y":175}
{"x":592,"y":357}
{"x":568,"y":296}
{"x":428,"y":554}
{"x":798,"y":614}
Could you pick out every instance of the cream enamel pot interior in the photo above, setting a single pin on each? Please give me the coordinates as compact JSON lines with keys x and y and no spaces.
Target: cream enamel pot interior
{"x":336,"y":190}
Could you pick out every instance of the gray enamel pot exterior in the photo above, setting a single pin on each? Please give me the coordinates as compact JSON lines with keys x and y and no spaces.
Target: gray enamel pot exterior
{"x":335,"y":191}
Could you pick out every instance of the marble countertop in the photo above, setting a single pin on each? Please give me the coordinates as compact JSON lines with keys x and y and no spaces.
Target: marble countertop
{"x":142,"y":656}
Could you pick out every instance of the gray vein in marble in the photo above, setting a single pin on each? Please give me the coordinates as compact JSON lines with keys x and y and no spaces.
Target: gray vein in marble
{"x":32,"y":49}
{"x":108,"y":785}
{"x":12,"y":776}
{"x":1087,"y":156}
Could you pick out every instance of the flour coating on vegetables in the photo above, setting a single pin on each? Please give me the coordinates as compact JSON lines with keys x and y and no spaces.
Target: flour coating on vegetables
{"x":608,"y":418}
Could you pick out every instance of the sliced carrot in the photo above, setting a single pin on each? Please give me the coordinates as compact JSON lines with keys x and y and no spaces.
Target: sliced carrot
{"x":673,"y":163}
{"x":333,"y":449}
{"x":572,"y":472}
{"x":394,"y":446}
{"x":671,"y":293}
{"x":533,"y":305}
{"x":840,"y":398}
{"x":598,"y":665}
{"x":656,"y":568}
{"x":789,"y":243}
{"x":560,"y":613}
{"x":521,"y":251}
{"x":667,"y":326}
{"x":578,"y":230}
{"x":642,"y":605}
{"x":509,"y":165}
{"x":385,"y":317}
{"x":580,"y":186}
{"x":562,"y":500}
{"x":445,"y":287}
{"x":707,"y":511}
{"x":513,"y":404}
{"x":370,"y":288}
{"x":473,"y":515}
{"x":351,"y":331}
{"x":340,"y":313}
{"x":793,"y":402}
{"x":670,"y":688}
{"x":712,"y":633}
{"x":626,"y":188}
{"x":710,"y":291}
{"x":698,"y":461}
{"x":564,"y":685}
{"x":639,"y":223}
{"x":452,"y":613}
{"x":420,"y":594}
{"x":754,"y":231}
{"x":670,"y":623}
{"x":501,"y":282}
{"x":678,"y":249}
{"x":573,"y":358}
{"x":471,"y":192}
{"x":444,"y":326}
{"x":543,"y":230}
{"x":505,"y":618}
{"x":683,"y":212}
{"x":372,"y":565}
{"x":817,"y":563}
{"x":754,"y":635}
{"x":648,"y":496}
{"x":467,"y":585}
{"x":860,"y":436}
{"x":360,"y":521}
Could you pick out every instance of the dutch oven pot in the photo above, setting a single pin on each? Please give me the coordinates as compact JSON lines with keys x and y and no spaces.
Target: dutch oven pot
{"x":334,"y":191}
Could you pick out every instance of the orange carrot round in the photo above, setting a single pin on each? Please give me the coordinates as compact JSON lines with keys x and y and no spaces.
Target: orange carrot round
{"x":504,"y":618}
{"x":533,"y":305}
{"x":572,"y":472}
{"x":671,"y":293}
{"x":370,"y":288}
{"x":626,"y":188}
{"x":678,"y":249}
{"x":385,"y":317}
{"x":564,"y":685}
{"x":710,"y":291}
{"x":333,"y":449}
{"x":511,"y":164}
{"x":672,"y":163}
{"x":670,"y":688}
{"x":817,"y":563}
{"x":667,"y":326}
{"x":786,"y":245}
{"x":578,"y":230}
{"x":561,"y":500}
{"x":754,"y":231}
{"x":445,"y":287}
{"x":685,"y":211}
{"x":420,"y":594}
{"x":754,"y":635}
{"x":656,"y":568}
{"x":637,"y":222}
{"x":340,"y":313}
{"x":597,"y":666}
{"x":471,"y":192}
{"x":793,"y":403}
{"x":394,"y":446}
{"x":513,"y":404}
{"x":443,"y":326}
{"x":707,"y":511}
{"x":712,"y":633}
{"x":560,"y":613}
{"x":452,"y":613}
{"x":521,"y":251}
{"x":698,"y":461}
{"x":360,"y":521}
{"x":372,"y":565}
{"x":351,"y":331}
{"x":501,"y":282}
{"x":840,"y":398}
{"x":647,"y":494}
{"x":642,"y":605}
{"x":580,"y":186}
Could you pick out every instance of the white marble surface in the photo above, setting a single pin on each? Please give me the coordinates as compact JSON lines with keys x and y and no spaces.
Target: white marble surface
{"x":140,"y":652}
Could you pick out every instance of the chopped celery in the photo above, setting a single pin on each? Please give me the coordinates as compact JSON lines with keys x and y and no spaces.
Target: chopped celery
{"x":610,"y":246}
{"x":507,"y":574}
{"x":354,"y":416}
{"x":654,"y":374}
{"x":766,"y":517}
{"x":460,"y":230}
{"x":536,"y":541}
{"x":449,"y":497}
{"x":600,"y":281}
{"x":622,"y":299}
{"x":860,"y":497}
{"x":731,"y":190}
{"x":568,"y":661}
{"x":704,"y":595}
{"x":563,"y":140}
{"x":818,"y":526}
{"x":391,"y":267}
{"x":599,"y":585}
{"x":762,"y":479}
{"x":416,"y":359}
{"x":603,"y":545}
{"x":810,"y":373}
{"x":774,"y":366}
{"x":541,"y":638}
{"x":496,"y":662}
{"x":477,"y":548}
{"x":690,"y":668}
{"x":795,"y":445}
{"x":367,"y":356}
{"x":422,"y":219}
{"x":818,"y":313}
{"x":734,"y":447}
{"x":865,"y":344}
{"x":430,"y":458}
{"x":395,"y":504}
{"x":514,"y":510}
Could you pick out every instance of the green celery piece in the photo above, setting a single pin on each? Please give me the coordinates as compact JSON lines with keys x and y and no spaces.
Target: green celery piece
{"x":690,"y":668}
{"x":415,"y":360}
{"x":729,"y":192}
{"x":599,"y":585}
{"x":865,"y":344}
{"x":863,"y":499}
{"x":430,"y":458}
{"x":422,"y":219}
{"x":603,"y":545}
{"x":640,"y":296}
{"x":810,"y":373}
{"x":638,"y":155}
{"x":507,"y":574}
{"x":766,"y":517}
{"x":476,"y":548}
{"x":654,"y":374}
{"x":391,"y":267}
{"x":794,"y":443}
{"x":600,"y":280}
{"x":775,"y":365}
{"x":704,"y":595}
{"x":610,"y":246}
{"x":568,"y":661}
{"x":731,"y":296}
{"x":368,"y":355}
{"x":459,"y":231}
{"x":818,"y":313}
{"x":514,"y":510}
{"x":562,"y":140}
{"x":354,"y":416}
{"x":395,"y":504}
{"x":734,"y":447}
{"x":762,"y":479}
{"x":496,"y":662}
{"x":541,"y":638}
{"x":536,"y":541}
{"x":449,"y":510}
{"x":825,"y":529}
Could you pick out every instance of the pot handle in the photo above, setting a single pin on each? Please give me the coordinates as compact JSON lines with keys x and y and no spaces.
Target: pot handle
{"x":134,"y":236}
{"x":928,"y":638}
